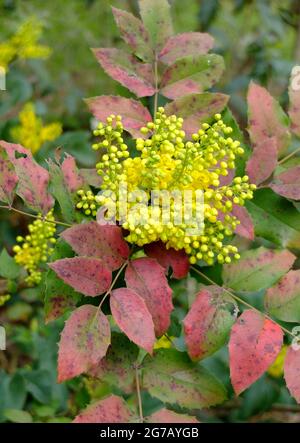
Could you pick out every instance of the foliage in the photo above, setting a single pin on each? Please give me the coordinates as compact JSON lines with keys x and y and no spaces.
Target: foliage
{"x":148,"y":310}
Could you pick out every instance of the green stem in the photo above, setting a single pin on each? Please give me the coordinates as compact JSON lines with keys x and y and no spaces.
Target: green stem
{"x":240,"y":300}
{"x":39,"y":217}
{"x":138,"y":391}
{"x":156,"y":86}
{"x":289,"y":156}
{"x":107,"y":293}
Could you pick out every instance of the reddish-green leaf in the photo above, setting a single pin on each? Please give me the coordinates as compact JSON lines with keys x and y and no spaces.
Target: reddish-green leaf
{"x":169,"y":258}
{"x":245,"y":228}
{"x":146,"y":277}
{"x":292,"y":371}
{"x":112,"y":409}
{"x":197,"y":108}
{"x":207,"y":324}
{"x":188,"y":43}
{"x":257,"y":269}
{"x":127,"y":70}
{"x":287,"y":183}
{"x":8,"y":178}
{"x":33,"y":179}
{"x":167,"y":416}
{"x":283,"y":299}
{"x":71,"y":174}
{"x":263,"y":161}
{"x":191,"y":75}
{"x":294,"y":94}
{"x":116,"y":368}
{"x":100,"y":241}
{"x":131,"y":314}
{"x":134,"y":34}
{"x":171,"y":377}
{"x":254,"y":344}
{"x":84,"y":341}
{"x":134,"y":114}
{"x":266,"y":118}
{"x":86,"y":275}
{"x":157,"y":20}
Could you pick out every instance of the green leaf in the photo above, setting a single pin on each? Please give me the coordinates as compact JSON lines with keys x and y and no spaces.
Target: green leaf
{"x":134,"y":34}
{"x":8,"y":266}
{"x":59,"y":297}
{"x":191,"y":75}
{"x":172,"y":378}
{"x":283,"y":299}
{"x":17,"y":416}
{"x":157,"y":19}
{"x":257,"y":269}
{"x":61,"y":193}
{"x":275,"y":219}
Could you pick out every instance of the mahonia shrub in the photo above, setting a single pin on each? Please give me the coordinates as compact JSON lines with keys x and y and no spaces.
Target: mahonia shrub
{"x":131,"y":324}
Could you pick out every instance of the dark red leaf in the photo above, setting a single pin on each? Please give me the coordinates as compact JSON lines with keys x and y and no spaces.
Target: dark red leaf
{"x":263,"y":161}
{"x":169,"y":258}
{"x":112,"y":409}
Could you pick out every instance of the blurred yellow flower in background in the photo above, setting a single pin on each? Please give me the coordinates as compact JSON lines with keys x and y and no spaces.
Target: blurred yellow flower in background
{"x":163,"y":342}
{"x":24,"y":44}
{"x":31,"y":133}
{"x":276,"y":369}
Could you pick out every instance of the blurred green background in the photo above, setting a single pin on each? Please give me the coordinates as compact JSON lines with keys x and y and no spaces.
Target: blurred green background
{"x":259,"y":40}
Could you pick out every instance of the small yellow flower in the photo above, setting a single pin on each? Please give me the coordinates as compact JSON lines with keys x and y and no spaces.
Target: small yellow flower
{"x":31,"y":133}
{"x":276,"y":369}
{"x":35,"y":249}
{"x":4,"y":299}
{"x":163,"y":342}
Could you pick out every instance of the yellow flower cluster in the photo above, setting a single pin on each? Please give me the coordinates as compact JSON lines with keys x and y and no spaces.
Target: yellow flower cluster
{"x":24,"y":44}
{"x":31,"y":133}
{"x":36,"y":247}
{"x":277,"y":368}
{"x":4,"y":299}
{"x":166,"y":161}
{"x":87,"y":202}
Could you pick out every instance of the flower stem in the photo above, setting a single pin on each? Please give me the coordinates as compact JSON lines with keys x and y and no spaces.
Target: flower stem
{"x":156,"y":86}
{"x":240,"y":300}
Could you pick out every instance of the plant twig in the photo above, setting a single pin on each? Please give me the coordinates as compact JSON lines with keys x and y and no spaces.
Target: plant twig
{"x":107,"y":293}
{"x":138,"y":391}
{"x":284,"y":159}
{"x":156,"y":86}
{"x":39,"y":217}
{"x":240,"y":300}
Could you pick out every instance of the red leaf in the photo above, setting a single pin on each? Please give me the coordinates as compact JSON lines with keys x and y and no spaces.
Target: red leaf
{"x":134,"y":114}
{"x":131,"y":314}
{"x":169,"y":258}
{"x":207,"y":325}
{"x":100,"y":241}
{"x":287,"y":183}
{"x":188,"y":43}
{"x":263,"y":161}
{"x":8,"y":178}
{"x":167,"y":416}
{"x":191,"y":75}
{"x":86,"y":275}
{"x":266,"y":118}
{"x":294,"y":94}
{"x":134,"y":34}
{"x":245,"y":228}
{"x":254,"y":344}
{"x":72,"y":177}
{"x":126,"y":69}
{"x":147,"y":278}
{"x":112,"y":409}
{"x":292,"y":371}
{"x":196,"y":108}
{"x":84,"y":341}
{"x":33,"y":179}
